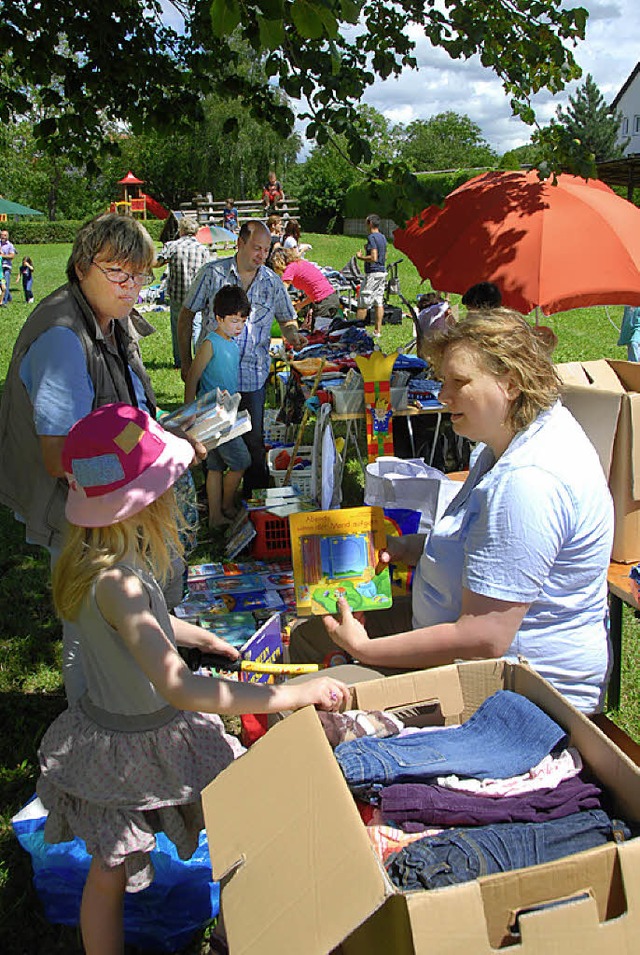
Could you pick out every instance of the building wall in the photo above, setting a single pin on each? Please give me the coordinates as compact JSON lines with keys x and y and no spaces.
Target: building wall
{"x":629,"y":108}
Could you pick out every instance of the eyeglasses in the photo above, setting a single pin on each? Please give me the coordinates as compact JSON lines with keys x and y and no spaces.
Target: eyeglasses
{"x":120,"y":277}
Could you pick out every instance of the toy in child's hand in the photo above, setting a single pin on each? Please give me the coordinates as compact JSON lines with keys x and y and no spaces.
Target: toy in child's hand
{"x":195,"y":658}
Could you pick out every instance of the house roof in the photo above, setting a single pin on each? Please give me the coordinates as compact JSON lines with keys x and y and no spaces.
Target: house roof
{"x":625,"y":86}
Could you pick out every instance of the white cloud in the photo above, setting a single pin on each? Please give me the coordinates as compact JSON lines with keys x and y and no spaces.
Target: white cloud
{"x":609,"y":52}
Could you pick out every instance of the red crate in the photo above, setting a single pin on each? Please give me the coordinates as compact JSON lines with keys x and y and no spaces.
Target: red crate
{"x":272,"y":536}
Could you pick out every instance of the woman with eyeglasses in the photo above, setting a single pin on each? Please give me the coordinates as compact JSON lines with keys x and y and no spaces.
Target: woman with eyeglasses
{"x":77,"y":351}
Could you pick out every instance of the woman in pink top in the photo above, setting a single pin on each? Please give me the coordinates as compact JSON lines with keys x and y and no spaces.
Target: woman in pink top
{"x":308,"y":278}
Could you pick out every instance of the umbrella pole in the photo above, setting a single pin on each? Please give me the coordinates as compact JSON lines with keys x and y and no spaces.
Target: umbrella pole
{"x":537,"y":315}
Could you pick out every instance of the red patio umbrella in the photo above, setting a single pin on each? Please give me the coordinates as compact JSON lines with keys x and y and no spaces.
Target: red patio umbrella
{"x":556,"y":247}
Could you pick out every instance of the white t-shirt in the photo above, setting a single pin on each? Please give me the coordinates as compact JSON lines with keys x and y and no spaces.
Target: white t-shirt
{"x":535,"y":527}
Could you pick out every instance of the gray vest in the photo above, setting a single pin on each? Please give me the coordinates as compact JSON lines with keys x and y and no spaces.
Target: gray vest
{"x":25,"y":484}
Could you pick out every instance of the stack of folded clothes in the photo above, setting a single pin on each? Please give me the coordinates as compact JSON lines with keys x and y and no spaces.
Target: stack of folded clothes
{"x":502,"y":791}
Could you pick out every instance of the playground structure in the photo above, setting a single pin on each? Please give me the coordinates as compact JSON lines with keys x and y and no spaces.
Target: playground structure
{"x":134,"y":201}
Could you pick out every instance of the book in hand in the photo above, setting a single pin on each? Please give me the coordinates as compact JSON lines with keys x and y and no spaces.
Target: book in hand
{"x":212,"y":419}
{"x":335,"y":554}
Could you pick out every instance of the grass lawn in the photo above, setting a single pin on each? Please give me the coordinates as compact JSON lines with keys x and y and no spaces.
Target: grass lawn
{"x":30,"y":685}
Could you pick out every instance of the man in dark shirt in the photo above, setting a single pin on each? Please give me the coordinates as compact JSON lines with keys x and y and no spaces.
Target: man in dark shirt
{"x":373,"y":288}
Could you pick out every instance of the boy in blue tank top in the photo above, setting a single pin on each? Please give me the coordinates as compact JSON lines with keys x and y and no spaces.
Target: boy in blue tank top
{"x":216,"y":365}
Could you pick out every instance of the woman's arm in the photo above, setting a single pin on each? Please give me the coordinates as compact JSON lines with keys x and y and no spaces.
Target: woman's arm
{"x":125,"y":605}
{"x":485,"y":629}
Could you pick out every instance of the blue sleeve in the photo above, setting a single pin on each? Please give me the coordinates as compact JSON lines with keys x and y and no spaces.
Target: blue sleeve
{"x":54,"y":372}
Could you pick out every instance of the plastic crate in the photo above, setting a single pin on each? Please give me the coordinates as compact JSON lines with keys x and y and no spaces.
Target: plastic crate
{"x":274,"y":432}
{"x":300,"y":479}
{"x":272,"y":536}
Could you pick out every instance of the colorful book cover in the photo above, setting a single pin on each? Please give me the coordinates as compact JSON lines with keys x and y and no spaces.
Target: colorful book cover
{"x":240,"y":582}
{"x":207,"y":604}
{"x":265,"y":646}
{"x":235,"y":628}
{"x":235,"y":569}
{"x":335,"y":554}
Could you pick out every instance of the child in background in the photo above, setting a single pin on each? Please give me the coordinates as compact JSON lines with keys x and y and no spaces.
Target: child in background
{"x":26,"y":271}
{"x":216,"y":365}
{"x":133,"y":755}
{"x":230,"y":215}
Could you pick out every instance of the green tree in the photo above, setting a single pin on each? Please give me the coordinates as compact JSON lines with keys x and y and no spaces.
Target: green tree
{"x":586,"y":123}
{"x":50,"y":182}
{"x":175,"y":165}
{"x":446,"y":141}
{"x":527,"y":155}
{"x":118,"y":61}
{"x":321,"y":182}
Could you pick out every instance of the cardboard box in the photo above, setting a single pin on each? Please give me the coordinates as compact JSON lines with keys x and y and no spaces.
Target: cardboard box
{"x":604,"y":396}
{"x":299,"y":875}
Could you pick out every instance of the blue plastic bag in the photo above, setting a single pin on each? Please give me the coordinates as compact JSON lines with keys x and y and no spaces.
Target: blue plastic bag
{"x":181,"y":900}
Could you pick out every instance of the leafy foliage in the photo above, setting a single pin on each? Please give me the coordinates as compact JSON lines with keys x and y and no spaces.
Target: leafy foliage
{"x":119,"y":64}
{"x":446,"y":141}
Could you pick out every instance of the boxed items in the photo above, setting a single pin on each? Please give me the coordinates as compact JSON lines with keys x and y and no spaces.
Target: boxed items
{"x":316,"y":886}
{"x":604,"y":396}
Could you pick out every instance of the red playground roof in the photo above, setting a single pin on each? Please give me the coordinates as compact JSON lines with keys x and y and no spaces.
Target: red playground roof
{"x":131,"y":180}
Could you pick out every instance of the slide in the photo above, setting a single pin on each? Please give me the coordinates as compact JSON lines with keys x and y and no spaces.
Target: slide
{"x":154,"y":207}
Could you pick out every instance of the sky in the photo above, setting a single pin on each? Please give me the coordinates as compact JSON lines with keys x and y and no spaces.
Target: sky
{"x":609,"y":52}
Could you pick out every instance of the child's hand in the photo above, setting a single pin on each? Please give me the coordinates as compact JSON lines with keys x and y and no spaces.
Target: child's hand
{"x":209,"y":643}
{"x":324,"y":693}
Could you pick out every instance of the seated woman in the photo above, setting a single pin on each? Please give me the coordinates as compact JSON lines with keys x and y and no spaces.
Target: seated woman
{"x":308,"y":278}
{"x":517,"y":565}
{"x":291,"y":237}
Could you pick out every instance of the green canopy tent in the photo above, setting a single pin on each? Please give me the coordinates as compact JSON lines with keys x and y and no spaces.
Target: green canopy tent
{"x":8,"y":208}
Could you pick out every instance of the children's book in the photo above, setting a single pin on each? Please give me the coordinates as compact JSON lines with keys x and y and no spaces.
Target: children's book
{"x":235,"y":628}
{"x":212,"y":419}
{"x":204,"y":604}
{"x":335,"y":554}
{"x":240,"y":582}
{"x":265,"y":646}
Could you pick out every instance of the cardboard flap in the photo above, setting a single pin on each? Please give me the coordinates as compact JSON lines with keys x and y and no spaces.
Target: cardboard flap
{"x":597,"y":413}
{"x":281,"y":822}
{"x":628,"y":372}
{"x":441,"y":685}
{"x":599,"y":374}
{"x":634,"y":410}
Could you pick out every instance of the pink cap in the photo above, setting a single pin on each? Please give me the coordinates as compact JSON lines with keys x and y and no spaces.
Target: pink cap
{"x":118,"y":460}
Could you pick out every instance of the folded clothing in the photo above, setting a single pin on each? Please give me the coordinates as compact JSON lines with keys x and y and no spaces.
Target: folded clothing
{"x":461,"y":855}
{"x":354,"y":724}
{"x":435,"y":806}
{"x":544,"y":775}
{"x":507,"y":735}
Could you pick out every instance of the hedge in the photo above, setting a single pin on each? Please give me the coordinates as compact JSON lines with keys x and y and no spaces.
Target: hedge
{"x":387,"y":198}
{"x":38,"y":232}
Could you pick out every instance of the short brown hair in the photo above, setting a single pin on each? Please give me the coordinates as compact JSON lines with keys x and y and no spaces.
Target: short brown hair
{"x":507,"y":345}
{"x":121,"y":239}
